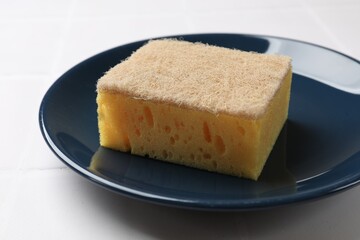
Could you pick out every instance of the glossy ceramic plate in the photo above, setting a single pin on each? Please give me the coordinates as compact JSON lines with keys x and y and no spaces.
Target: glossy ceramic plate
{"x":317,"y":152}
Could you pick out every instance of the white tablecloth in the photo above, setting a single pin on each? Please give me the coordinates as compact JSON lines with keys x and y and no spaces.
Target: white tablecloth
{"x":41,"y":198}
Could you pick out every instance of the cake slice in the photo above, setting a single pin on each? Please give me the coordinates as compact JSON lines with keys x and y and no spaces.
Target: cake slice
{"x":197,"y":105}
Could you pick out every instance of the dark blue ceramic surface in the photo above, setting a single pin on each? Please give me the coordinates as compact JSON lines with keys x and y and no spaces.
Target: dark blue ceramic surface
{"x":317,"y":153}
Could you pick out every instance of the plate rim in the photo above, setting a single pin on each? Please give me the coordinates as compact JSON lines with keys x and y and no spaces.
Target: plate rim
{"x":251,"y":204}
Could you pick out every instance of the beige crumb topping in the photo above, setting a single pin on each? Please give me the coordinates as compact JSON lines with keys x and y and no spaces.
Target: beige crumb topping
{"x":199,"y":76}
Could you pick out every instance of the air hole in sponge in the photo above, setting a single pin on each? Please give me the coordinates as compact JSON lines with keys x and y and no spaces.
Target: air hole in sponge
{"x":177,"y":124}
{"x":172,"y":141}
{"x":167,"y":129}
{"x":149,"y":116}
{"x":164,"y":154}
{"x":214,"y":163}
{"x":241,"y":130}
{"x":137,"y":132}
{"x":206,"y":131}
{"x":219,"y":144}
{"x":206,"y":156}
{"x":141,"y":118}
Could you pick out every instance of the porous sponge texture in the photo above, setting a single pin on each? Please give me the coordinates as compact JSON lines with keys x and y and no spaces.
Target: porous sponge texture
{"x":221,"y":143}
{"x":197,"y":105}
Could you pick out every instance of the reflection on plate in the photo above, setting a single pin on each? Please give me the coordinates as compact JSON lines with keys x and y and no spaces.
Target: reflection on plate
{"x":317,"y":153}
{"x":125,"y":169}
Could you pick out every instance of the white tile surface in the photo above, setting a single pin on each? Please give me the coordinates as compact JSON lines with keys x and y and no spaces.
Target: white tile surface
{"x":234,"y":6}
{"x":329,"y":218}
{"x":29,"y":46}
{"x":34,"y":9}
{"x":138,"y":8}
{"x":41,"y":198}
{"x":330,"y":2}
{"x":21,"y":117}
{"x":6,"y":186}
{"x":90,"y":212}
{"x":89,"y":36}
{"x":256,"y":21}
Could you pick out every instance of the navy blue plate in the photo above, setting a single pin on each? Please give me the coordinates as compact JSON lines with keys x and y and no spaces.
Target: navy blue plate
{"x":317,"y":152}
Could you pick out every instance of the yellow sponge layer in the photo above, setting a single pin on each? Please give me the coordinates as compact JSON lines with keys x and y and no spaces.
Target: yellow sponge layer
{"x":230,"y":144}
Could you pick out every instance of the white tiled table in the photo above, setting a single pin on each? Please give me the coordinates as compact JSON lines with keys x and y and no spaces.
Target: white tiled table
{"x":40,"y":198}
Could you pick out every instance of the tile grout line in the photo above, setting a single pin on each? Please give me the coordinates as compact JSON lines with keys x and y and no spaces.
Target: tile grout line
{"x":28,"y":148}
{"x":8,"y":205}
{"x":66,"y":30}
{"x":18,"y":174}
